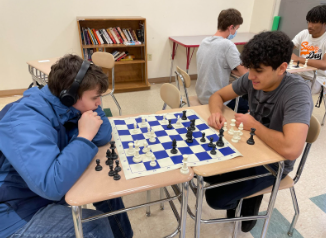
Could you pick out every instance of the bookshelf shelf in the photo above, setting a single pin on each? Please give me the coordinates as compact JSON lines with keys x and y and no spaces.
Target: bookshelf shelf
{"x":129,"y":75}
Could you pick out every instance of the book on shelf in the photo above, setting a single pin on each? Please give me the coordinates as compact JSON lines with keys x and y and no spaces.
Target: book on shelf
{"x":114,"y":35}
{"x":122,"y":34}
{"x":111,"y":36}
{"x":90,"y":32}
{"x":106,"y":35}
{"x":99,"y":38}
{"x":117,"y":35}
{"x":95,"y":35}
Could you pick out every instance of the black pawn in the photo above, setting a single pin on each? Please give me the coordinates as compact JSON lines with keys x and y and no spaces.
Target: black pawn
{"x":169,"y":126}
{"x":114,"y":155}
{"x":203,"y":139}
{"x":211,"y":144}
{"x":174,"y":145}
{"x":98,"y":166}
{"x":109,"y":156}
{"x":298,"y":64}
{"x":213,"y":151}
{"x":192,"y":124}
{"x":184,"y":117}
{"x":116,"y":176}
{"x":111,"y":173}
{"x":189,"y":137}
{"x":117,"y":167}
{"x":251,"y":141}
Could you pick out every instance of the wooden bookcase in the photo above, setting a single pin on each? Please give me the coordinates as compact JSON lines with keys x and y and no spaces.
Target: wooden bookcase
{"x":129,"y":75}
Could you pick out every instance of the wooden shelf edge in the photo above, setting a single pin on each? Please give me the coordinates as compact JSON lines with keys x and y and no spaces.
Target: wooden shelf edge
{"x":111,"y":46}
{"x":122,"y":87}
{"x":130,"y":62}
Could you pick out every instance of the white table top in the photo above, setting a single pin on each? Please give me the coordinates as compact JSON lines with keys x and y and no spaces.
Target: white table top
{"x":194,"y":41}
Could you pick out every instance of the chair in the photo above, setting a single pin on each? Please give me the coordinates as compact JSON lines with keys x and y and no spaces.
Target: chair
{"x":184,"y":79}
{"x":106,"y":60}
{"x":170,"y":95}
{"x":288,"y":182}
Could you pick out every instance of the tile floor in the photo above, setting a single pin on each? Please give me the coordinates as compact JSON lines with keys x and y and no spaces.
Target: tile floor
{"x":310,"y":190}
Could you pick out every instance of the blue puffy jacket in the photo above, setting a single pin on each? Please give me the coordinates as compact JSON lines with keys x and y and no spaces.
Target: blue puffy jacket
{"x":41,"y":156}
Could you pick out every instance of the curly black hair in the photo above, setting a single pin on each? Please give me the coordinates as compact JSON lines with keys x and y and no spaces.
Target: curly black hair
{"x":317,"y":14}
{"x":270,"y":48}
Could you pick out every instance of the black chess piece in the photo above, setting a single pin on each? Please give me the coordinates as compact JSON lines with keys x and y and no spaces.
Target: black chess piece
{"x":213,"y":151}
{"x":174,"y":145}
{"x":251,"y":141}
{"x":98,"y":166}
{"x":184,"y":116}
{"x":169,"y":126}
{"x":221,"y":132}
{"x":114,"y":155}
{"x":220,"y":142}
{"x":189,"y":137}
{"x":109,"y":156}
{"x":210,"y":144}
{"x":117,"y":167}
{"x":116,"y":176}
{"x":111,"y":172}
{"x":192,"y":124}
{"x":112,"y":144}
{"x":203,"y":139}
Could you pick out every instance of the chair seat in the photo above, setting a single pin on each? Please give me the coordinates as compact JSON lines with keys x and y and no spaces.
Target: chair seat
{"x":193,"y":100}
{"x":107,"y":92}
{"x":287,"y":182}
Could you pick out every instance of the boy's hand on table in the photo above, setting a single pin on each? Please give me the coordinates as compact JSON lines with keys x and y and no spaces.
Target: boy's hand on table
{"x":89,"y":124}
{"x":247,"y":120}
{"x":216,"y":120}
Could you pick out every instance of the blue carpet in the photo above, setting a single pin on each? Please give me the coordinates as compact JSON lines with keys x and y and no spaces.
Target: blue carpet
{"x":278,"y":227}
{"x":320,"y":201}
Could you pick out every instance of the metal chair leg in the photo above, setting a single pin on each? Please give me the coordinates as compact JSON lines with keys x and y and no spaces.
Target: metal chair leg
{"x":164,"y":106}
{"x":199,"y":204}
{"x":183,"y":213}
{"x":116,"y":102}
{"x":148,"y":199}
{"x":77,"y":217}
{"x":161,"y":197}
{"x":237,"y":223}
{"x":323,"y":121}
{"x":236,"y":104}
{"x":296,"y":209}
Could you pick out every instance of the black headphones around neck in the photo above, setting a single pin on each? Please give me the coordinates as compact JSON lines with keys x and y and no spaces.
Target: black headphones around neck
{"x":68,"y":97}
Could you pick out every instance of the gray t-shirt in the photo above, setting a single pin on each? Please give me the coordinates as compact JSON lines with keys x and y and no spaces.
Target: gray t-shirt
{"x":216,"y":57}
{"x":290,"y":102}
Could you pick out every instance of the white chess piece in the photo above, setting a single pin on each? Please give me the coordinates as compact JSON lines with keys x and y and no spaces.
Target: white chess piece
{"x":149,"y":153}
{"x":145,"y":147}
{"x":291,"y":63}
{"x":235,"y":137}
{"x":143,"y":121}
{"x":240,"y":129}
{"x":185,"y":158}
{"x":131,"y":150}
{"x":225,"y":126}
{"x":136,"y":144}
{"x":153,"y":162}
{"x":164,"y":120}
{"x":137,"y":157}
{"x":152,"y":138}
{"x":148,"y":131}
{"x":135,"y":128}
{"x":232,"y":124}
{"x":179,"y":121}
{"x":184,"y":169}
{"x":306,"y":63}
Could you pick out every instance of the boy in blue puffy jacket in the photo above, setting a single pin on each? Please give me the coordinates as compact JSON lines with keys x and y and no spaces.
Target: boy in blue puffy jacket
{"x":45,"y":147}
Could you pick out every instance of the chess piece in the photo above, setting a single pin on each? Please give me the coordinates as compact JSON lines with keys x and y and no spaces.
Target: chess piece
{"x":185,"y":158}
{"x":143,"y":121}
{"x":189,"y":137}
{"x":184,"y":169}
{"x":137,"y":157}
{"x":117,"y":167}
{"x":114,"y":155}
{"x":148,"y":153}
{"x":220,"y":142}
{"x":179,"y":121}
{"x":136,"y":144}
{"x":131,"y":150}
{"x":241,"y":129}
{"x":291,"y":63}
{"x":306,"y":63}
{"x":213,"y":151}
{"x":111,"y":172}
{"x":135,"y":128}
{"x":169,"y":126}
{"x":225,"y":126}
{"x":192,"y":124}
{"x":152,"y":137}
{"x":153,"y":162}
{"x":109,"y":156}
{"x":251,"y":141}
{"x":297,"y":66}
{"x":98,"y":166}
{"x":184,"y":116}
{"x":116,"y":176}
{"x":232,"y":124}
{"x":145,"y":147}
{"x":174,"y":145}
{"x":235,"y":137}
{"x":210,"y":144}
{"x":203,"y":139}
{"x":148,"y":131}
{"x":164,"y":120}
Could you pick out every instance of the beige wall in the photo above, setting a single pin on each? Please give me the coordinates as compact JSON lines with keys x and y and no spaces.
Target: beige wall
{"x":39,"y":29}
{"x":262,"y":15}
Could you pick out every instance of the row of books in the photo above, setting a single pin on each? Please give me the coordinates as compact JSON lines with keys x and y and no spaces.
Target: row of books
{"x":118,"y":56}
{"x":112,"y":35}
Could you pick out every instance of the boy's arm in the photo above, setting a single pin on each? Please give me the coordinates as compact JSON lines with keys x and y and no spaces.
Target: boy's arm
{"x":319,"y":64}
{"x":240,"y":70}
{"x":104,"y":134}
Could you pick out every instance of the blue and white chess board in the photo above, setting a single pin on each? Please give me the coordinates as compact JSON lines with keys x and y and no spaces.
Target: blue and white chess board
{"x":198,"y":152}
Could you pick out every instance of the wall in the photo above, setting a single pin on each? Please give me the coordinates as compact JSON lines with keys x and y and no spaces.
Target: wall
{"x":262,"y":15}
{"x":40,"y":29}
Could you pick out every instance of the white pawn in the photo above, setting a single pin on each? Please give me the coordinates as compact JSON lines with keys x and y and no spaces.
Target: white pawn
{"x":225,"y":126}
{"x":240,"y":129}
{"x":136,"y":144}
{"x":131,"y":150}
{"x":164,"y":120}
{"x":153,"y":162}
{"x":145,"y":147}
{"x":306,"y":63}
{"x":185,"y":158}
{"x":184,"y":169}
{"x":148,"y":131}
{"x":152,"y":138}
{"x":235,"y":137}
{"x":148,"y":153}
{"x":143,"y":121}
{"x":135,"y":128}
{"x":179,"y":121}
{"x":232,"y":124}
{"x":137,"y":157}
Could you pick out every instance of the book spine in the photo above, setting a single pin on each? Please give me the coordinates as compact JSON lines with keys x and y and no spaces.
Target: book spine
{"x":122,"y":35}
{"x":115,"y":53}
{"x":121,"y":57}
{"x":111,"y":36}
{"x":107,"y":37}
{"x":126,"y":34}
{"x":102,"y":36}
{"x":95,"y":35}
{"x":82,"y":36}
{"x":99,"y":36}
{"x":94,"y":39}
{"x":88,"y":42}
{"x":134,"y":35}
{"x":91,"y":37}
{"x":118,"y":35}
{"x":132,"y":39}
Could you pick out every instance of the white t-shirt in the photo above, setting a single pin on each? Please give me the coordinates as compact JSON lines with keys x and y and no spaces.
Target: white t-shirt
{"x":311,"y":48}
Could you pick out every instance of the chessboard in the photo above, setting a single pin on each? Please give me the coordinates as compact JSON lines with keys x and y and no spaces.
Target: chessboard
{"x":124,"y":133}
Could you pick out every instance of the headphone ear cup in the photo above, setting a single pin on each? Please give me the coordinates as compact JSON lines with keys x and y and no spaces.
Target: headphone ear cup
{"x":67,"y":99}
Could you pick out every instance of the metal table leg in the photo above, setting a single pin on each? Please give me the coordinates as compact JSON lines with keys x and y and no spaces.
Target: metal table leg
{"x":174,"y":50}
{"x":199,"y":204}
{"x":161,"y":197}
{"x":148,"y":199}
{"x":183,"y":213}
{"x":324,"y":97}
{"x":314,"y":79}
{"x":77,"y":217}
{"x":189,"y":57}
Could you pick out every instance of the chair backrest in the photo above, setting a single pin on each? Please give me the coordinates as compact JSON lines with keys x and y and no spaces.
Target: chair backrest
{"x":103,"y":59}
{"x":313,"y":133}
{"x":186,"y":82}
{"x":170,"y":94}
